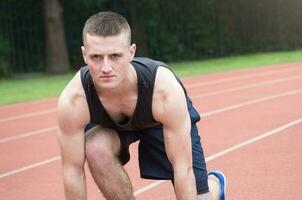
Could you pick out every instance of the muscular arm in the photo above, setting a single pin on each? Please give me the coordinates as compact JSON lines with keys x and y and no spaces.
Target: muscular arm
{"x":71,"y":121}
{"x":171,"y":110}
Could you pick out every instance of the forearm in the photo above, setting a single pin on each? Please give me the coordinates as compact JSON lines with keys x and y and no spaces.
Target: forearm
{"x":185,"y":186}
{"x":75,"y":186}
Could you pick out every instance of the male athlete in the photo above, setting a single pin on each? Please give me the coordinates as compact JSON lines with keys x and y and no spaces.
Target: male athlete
{"x":118,"y":99}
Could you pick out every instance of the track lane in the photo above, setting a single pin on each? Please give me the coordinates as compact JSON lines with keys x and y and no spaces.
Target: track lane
{"x":33,"y":107}
{"x":24,"y":124}
{"x":210,"y":137}
{"x":269,"y":169}
{"x":247,"y":72}
{"x":37,"y":142}
{"x":144,"y":194}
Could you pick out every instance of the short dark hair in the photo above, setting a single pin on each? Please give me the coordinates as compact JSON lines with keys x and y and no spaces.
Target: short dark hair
{"x":106,"y":24}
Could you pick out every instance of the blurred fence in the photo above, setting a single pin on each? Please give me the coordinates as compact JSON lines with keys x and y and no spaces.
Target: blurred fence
{"x":22,"y":31}
{"x":164,"y":29}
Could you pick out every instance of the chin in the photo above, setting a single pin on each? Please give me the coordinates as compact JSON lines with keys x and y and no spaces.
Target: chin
{"x":107,"y":86}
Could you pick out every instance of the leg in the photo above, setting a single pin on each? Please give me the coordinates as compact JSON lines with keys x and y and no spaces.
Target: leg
{"x":102,"y":150}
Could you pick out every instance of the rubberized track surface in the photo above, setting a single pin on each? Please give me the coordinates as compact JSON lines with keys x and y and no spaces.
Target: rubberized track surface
{"x":251,"y":129}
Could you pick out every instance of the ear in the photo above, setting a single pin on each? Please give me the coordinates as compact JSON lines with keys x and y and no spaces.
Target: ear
{"x":132,"y":51}
{"x":84,"y":53}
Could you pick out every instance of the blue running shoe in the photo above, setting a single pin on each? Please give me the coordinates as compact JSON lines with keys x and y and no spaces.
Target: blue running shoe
{"x":222,"y":181}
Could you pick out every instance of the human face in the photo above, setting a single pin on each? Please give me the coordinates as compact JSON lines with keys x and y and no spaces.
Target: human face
{"x":108,"y":59}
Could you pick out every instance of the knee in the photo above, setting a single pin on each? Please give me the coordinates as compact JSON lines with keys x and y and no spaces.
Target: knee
{"x":101,"y":144}
{"x":95,"y":148}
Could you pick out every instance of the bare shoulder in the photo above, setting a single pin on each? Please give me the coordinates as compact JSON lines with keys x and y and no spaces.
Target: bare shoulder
{"x":168,"y":94}
{"x":72,"y":108}
{"x":165,"y":79}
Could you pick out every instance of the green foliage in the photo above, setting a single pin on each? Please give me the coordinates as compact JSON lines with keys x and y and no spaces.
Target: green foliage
{"x":75,"y":13}
{"x":21,"y":25}
{"x":5,"y":70}
{"x":162,"y":29}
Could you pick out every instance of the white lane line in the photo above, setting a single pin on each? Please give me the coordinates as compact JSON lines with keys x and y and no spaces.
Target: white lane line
{"x":33,"y":114}
{"x":243,"y":87}
{"x":28,"y":134}
{"x":156,"y":183}
{"x":235,"y":106}
{"x":148,"y":187}
{"x":230,"y":150}
{"x":249,"y":86}
{"x":236,"y":78}
{"x":204,"y":115}
{"x":32,"y":103}
{"x":255,"y":139}
{"x":28,"y":167}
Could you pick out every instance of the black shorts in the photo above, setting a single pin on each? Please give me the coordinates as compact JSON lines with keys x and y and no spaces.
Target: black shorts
{"x":153,"y":160}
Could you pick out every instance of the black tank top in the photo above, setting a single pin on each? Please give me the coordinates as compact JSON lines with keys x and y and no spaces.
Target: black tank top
{"x":146,"y":69}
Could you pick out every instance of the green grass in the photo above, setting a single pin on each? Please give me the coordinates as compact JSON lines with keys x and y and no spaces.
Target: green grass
{"x":27,"y":89}
{"x":234,"y":62}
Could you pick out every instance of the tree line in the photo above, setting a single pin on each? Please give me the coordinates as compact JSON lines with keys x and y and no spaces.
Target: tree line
{"x":45,"y":35}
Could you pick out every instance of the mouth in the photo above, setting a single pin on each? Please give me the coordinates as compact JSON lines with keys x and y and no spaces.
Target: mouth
{"x":107,"y":77}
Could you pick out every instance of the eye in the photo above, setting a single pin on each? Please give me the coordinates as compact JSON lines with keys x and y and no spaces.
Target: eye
{"x":116,"y":56}
{"x":95,"y":57}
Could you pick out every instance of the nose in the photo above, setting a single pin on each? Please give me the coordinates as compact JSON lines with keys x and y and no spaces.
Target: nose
{"x":106,"y":66}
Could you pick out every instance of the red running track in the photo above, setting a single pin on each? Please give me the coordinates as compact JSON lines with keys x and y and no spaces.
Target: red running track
{"x":250,"y":129}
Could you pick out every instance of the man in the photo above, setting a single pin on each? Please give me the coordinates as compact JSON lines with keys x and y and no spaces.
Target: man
{"x":118,"y":99}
